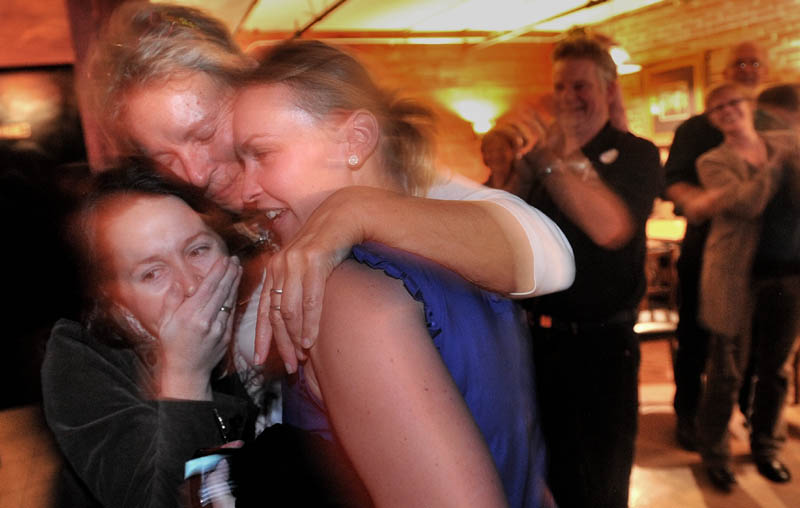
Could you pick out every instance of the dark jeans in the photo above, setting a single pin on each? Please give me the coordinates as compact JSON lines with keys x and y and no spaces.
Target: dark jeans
{"x":690,"y":358}
{"x":775,"y":330}
{"x":587,"y":383}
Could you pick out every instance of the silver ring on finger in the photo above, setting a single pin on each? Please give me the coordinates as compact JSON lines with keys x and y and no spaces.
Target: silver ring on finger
{"x":275,"y":307}
{"x":225,"y":308}
{"x":276,"y":291}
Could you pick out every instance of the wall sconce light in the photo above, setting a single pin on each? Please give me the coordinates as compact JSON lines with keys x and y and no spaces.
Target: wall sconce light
{"x":622,"y":59}
{"x":480,"y":113}
{"x":479,"y":106}
{"x":17,"y":130}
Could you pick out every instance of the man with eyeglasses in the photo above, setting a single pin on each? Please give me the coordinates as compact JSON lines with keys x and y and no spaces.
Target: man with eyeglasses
{"x":747,"y":67}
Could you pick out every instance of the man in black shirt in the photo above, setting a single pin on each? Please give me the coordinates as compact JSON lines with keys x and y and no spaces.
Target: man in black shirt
{"x":598,"y":184}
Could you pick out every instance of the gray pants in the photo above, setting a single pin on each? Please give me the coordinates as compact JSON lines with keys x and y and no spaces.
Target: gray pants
{"x":775,"y":328}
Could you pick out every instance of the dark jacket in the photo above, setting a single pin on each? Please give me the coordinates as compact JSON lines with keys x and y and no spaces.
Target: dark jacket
{"x":122,"y":448}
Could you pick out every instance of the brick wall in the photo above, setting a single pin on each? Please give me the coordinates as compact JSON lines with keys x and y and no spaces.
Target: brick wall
{"x":700,"y":32}
{"x":677,"y":28}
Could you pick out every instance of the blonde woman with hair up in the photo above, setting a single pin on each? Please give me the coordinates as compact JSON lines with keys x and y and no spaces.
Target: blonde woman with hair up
{"x":424,"y":379}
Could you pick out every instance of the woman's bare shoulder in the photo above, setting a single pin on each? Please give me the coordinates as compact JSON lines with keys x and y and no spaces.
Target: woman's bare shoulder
{"x":357,"y":290}
{"x":364,"y":313}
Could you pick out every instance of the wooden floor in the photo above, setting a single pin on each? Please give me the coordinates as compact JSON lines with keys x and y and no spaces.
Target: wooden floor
{"x":664,"y":476}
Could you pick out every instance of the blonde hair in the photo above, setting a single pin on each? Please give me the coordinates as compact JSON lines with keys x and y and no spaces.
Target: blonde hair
{"x":325,"y":80}
{"x":147,"y":44}
{"x":726,"y":87}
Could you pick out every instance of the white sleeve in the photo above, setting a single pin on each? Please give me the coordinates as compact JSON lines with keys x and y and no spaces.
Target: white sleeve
{"x":554,"y":261}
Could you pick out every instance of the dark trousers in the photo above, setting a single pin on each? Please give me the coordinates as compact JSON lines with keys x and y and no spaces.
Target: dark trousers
{"x":587,"y":382}
{"x":690,"y":358}
{"x":775,"y":328}
{"x":727,"y":360}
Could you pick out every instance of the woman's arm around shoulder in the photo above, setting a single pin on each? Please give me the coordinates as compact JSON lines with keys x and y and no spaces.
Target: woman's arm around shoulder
{"x":489,"y":237}
{"x":740,"y":195}
{"x":540,"y":255}
{"x":391,"y":400}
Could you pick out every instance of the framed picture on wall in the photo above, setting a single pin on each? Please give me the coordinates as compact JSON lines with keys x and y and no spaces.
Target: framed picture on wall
{"x":674,"y":92}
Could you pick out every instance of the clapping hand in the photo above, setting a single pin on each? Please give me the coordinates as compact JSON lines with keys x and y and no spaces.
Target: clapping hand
{"x":524,"y":120}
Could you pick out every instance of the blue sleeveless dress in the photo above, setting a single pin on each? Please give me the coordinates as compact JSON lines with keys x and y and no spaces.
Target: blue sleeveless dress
{"x":485,"y":345}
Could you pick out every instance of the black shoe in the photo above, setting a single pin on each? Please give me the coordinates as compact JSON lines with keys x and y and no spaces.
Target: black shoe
{"x":721,"y":477}
{"x":773,"y":470}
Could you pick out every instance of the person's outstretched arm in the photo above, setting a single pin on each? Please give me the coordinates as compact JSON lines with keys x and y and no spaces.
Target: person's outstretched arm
{"x":741,"y":197}
{"x":489,"y":237}
{"x":391,"y":401}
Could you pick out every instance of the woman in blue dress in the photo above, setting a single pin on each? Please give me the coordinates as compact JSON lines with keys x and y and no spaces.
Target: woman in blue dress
{"x":423,"y":378}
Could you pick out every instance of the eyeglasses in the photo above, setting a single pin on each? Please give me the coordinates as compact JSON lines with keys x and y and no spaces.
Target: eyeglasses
{"x":743,"y":64}
{"x":719,"y":107}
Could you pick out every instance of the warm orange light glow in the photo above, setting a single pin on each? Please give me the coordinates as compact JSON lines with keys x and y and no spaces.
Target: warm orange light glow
{"x":622,"y":59}
{"x":628,"y":68}
{"x":479,"y":112}
{"x":28,"y":98}
{"x":619,"y":55}
{"x":502,"y":15}
{"x":666,"y":229}
{"x":411,"y":15}
{"x":18,"y":130}
{"x":479,"y":107}
{"x":505,"y":19}
{"x":595,"y":14}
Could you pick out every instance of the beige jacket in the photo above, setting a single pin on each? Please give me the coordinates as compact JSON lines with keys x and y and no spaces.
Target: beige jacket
{"x":726,"y":296}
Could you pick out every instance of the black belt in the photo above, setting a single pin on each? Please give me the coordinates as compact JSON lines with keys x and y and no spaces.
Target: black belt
{"x":546,"y":321}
